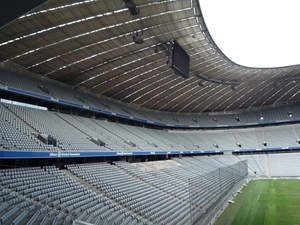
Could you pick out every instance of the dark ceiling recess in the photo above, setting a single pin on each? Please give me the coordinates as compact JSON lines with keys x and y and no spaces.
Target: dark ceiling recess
{"x":132,"y":7}
{"x":13,"y":9}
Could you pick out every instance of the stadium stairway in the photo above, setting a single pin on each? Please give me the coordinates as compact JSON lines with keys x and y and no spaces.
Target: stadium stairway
{"x":268,"y":170}
{"x":83,"y":182}
{"x":216,"y":159}
{"x":119,"y":204}
{"x":138,"y":174}
{"x":115,"y":134}
{"x":257,"y":164}
{"x":250,"y":169}
{"x":71,"y":124}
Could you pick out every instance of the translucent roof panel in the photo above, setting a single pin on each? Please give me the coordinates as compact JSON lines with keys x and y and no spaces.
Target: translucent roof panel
{"x":261,"y":34}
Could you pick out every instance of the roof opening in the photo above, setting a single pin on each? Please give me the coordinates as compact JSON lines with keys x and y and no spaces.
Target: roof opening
{"x":255,"y":33}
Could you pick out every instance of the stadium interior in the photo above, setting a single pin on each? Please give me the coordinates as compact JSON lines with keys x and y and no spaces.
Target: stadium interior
{"x":127,"y":112}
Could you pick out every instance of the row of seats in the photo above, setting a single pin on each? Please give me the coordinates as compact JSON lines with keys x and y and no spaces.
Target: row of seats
{"x":53,"y":197}
{"x":273,"y":165}
{"x":22,"y":125}
{"x":53,"y":89}
{"x":129,"y":194}
{"x":162,"y":196}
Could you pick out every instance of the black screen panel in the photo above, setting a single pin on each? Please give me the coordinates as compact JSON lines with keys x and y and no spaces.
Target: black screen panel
{"x":181,"y":61}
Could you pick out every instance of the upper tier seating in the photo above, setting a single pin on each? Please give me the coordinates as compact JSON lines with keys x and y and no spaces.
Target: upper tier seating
{"x":44,"y":86}
{"x":19,"y":81}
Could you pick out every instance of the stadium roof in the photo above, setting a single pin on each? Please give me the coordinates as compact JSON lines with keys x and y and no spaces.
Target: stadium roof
{"x":89,"y":44}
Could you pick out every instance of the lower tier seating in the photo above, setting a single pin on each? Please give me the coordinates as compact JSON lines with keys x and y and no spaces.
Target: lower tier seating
{"x":117,"y":193}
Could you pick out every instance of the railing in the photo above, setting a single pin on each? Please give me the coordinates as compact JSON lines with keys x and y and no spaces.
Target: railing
{"x":216,"y":187}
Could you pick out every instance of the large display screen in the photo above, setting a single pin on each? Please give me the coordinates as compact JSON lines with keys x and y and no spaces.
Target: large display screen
{"x":181,"y":61}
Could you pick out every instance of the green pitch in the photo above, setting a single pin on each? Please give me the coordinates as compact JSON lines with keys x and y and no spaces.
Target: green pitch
{"x":265,"y":202}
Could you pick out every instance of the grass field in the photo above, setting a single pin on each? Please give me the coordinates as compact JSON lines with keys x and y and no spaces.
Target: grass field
{"x":268,"y":202}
